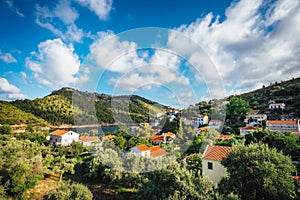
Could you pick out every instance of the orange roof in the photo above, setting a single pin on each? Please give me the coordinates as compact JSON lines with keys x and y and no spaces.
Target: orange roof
{"x":297,"y":178}
{"x":59,"y":132}
{"x":214,"y":152}
{"x":282,"y":122}
{"x":143,"y":147}
{"x":202,"y":116}
{"x":224,"y":137}
{"x":201,"y":129}
{"x":88,"y":138}
{"x":157,"y":151}
{"x":248,"y":128}
{"x":157,"y":137}
{"x":109,"y":136}
{"x":169,"y":134}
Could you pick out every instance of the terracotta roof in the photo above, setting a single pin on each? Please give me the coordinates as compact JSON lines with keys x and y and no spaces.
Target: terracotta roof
{"x":214,"y":152}
{"x":282,"y":122}
{"x":59,"y":132}
{"x":200,"y":129}
{"x":169,"y":134}
{"x":248,"y":128}
{"x":157,"y":137}
{"x":143,"y":147}
{"x":297,"y":178}
{"x":157,"y":151}
{"x":88,"y":138}
{"x":224,"y":137}
{"x":202,"y":116}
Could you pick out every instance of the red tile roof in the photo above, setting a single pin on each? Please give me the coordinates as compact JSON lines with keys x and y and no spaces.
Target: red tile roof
{"x":143,"y":147}
{"x":157,"y":151}
{"x":224,"y":137}
{"x":282,"y":122}
{"x":248,"y":128}
{"x":59,"y":132}
{"x":157,"y":137}
{"x":214,"y":152}
{"x":88,"y":138}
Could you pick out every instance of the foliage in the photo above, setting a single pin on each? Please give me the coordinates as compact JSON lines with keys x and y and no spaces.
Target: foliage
{"x":259,"y":172}
{"x":74,"y":191}
{"x":22,"y":164}
{"x":235,"y":113}
{"x":286,"y":142}
{"x":10,"y":114}
{"x":5,"y":129}
{"x":144,"y":131}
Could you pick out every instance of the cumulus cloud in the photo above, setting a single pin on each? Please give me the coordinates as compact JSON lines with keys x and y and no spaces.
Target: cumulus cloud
{"x":55,"y":64}
{"x":7,"y":57}
{"x":249,"y":47}
{"x":134,"y":68}
{"x":46,"y":18}
{"x":9,"y":91}
{"x":101,"y":8}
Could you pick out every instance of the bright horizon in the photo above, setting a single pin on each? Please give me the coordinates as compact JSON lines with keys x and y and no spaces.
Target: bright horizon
{"x":170,"y":52}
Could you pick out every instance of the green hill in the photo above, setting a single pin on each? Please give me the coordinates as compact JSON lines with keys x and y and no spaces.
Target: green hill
{"x":70,"y":106}
{"x":287,"y":92}
{"x":10,"y":114}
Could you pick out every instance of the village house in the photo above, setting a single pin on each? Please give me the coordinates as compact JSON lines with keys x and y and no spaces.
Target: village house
{"x":166,"y":138}
{"x":211,"y":162}
{"x":283,"y":125}
{"x":201,"y":120}
{"x":253,"y":112}
{"x":89,"y":140}
{"x":153,"y":152}
{"x":258,"y":118}
{"x":223,"y":138}
{"x":216,"y":124}
{"x":63,"y":137}
{"x":277,"y":106}
{"x":247,"y":129}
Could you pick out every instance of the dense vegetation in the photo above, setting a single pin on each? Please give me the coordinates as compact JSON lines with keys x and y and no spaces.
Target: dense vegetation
{"x":69,"y":106}
{"x":10,"y":114}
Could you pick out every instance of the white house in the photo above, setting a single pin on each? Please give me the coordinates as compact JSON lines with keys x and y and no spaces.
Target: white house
{"x":144,"y":150}
{"x":259,"y":118}
{"x":202,"y":120}
{"x":216,"y":124}
{"x":63,"y":137}
{"x":211,"y":162}
{"x":247,"y":129}
{"x":283,"y":125}
{"x":89,"y":140}
{"x":277,"y":106}
{"x":167,"y":138}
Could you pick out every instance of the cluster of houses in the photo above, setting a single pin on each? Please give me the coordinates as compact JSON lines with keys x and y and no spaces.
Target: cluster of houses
{"x":213,"y":154}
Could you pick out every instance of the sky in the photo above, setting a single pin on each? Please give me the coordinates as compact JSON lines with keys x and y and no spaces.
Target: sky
{"x":174,"y":52}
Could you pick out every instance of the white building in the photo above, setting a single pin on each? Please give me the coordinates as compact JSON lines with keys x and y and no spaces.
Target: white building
{"x":202,"y":120}
{"x":259,"y":118}
{"x":63,"y":137}
{"x":211,"y":162}
{"x":277,"y":106}
{"x":283,"y":125}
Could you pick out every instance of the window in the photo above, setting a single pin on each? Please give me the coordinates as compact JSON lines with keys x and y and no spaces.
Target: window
{"x":209,"y":165}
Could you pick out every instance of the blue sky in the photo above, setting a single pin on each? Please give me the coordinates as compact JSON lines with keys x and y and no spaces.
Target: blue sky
{"x":174,"y":52}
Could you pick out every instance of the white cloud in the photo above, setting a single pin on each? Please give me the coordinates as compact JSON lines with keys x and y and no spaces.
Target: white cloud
{"x":46,"y":18}
{"x":7,"y":57}
{"x":249,"y":47}
{"x":65,"y":12}
{"x":9,"y":91}
{"x":55,"y":64}
{"x":100,"y":7}
{"x":13,"y":8}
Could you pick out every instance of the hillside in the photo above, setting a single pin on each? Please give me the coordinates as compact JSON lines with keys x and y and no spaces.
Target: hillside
{"x":287,"y":92}
{"x":62,"y":105}
{"x":10,"y":114}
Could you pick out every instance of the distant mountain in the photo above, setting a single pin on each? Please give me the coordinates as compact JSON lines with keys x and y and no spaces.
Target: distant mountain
{"x":71,"y":106}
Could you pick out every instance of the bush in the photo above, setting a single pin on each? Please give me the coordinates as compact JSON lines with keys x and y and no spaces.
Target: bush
{"x":74,"y":191}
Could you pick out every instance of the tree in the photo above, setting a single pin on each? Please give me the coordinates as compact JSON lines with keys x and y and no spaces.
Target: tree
{"x":70,"y":191}
{"x":236,"y":111}
{"x":259,"y":172}
{"x":62,"y":165}
{"x":5,"y":129}
{"x":144,"y":131}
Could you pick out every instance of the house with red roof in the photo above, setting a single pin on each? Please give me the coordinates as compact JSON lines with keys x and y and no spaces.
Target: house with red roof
{"x":201,"y":120}
{"x":89,"y":140}
{"x":144,"y":150}
{"x":211,"y":162}
{"x":63,"y":137}
{"x":247,"y":129}
{"x":166,"y":138}
{"x":283,"y":125}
